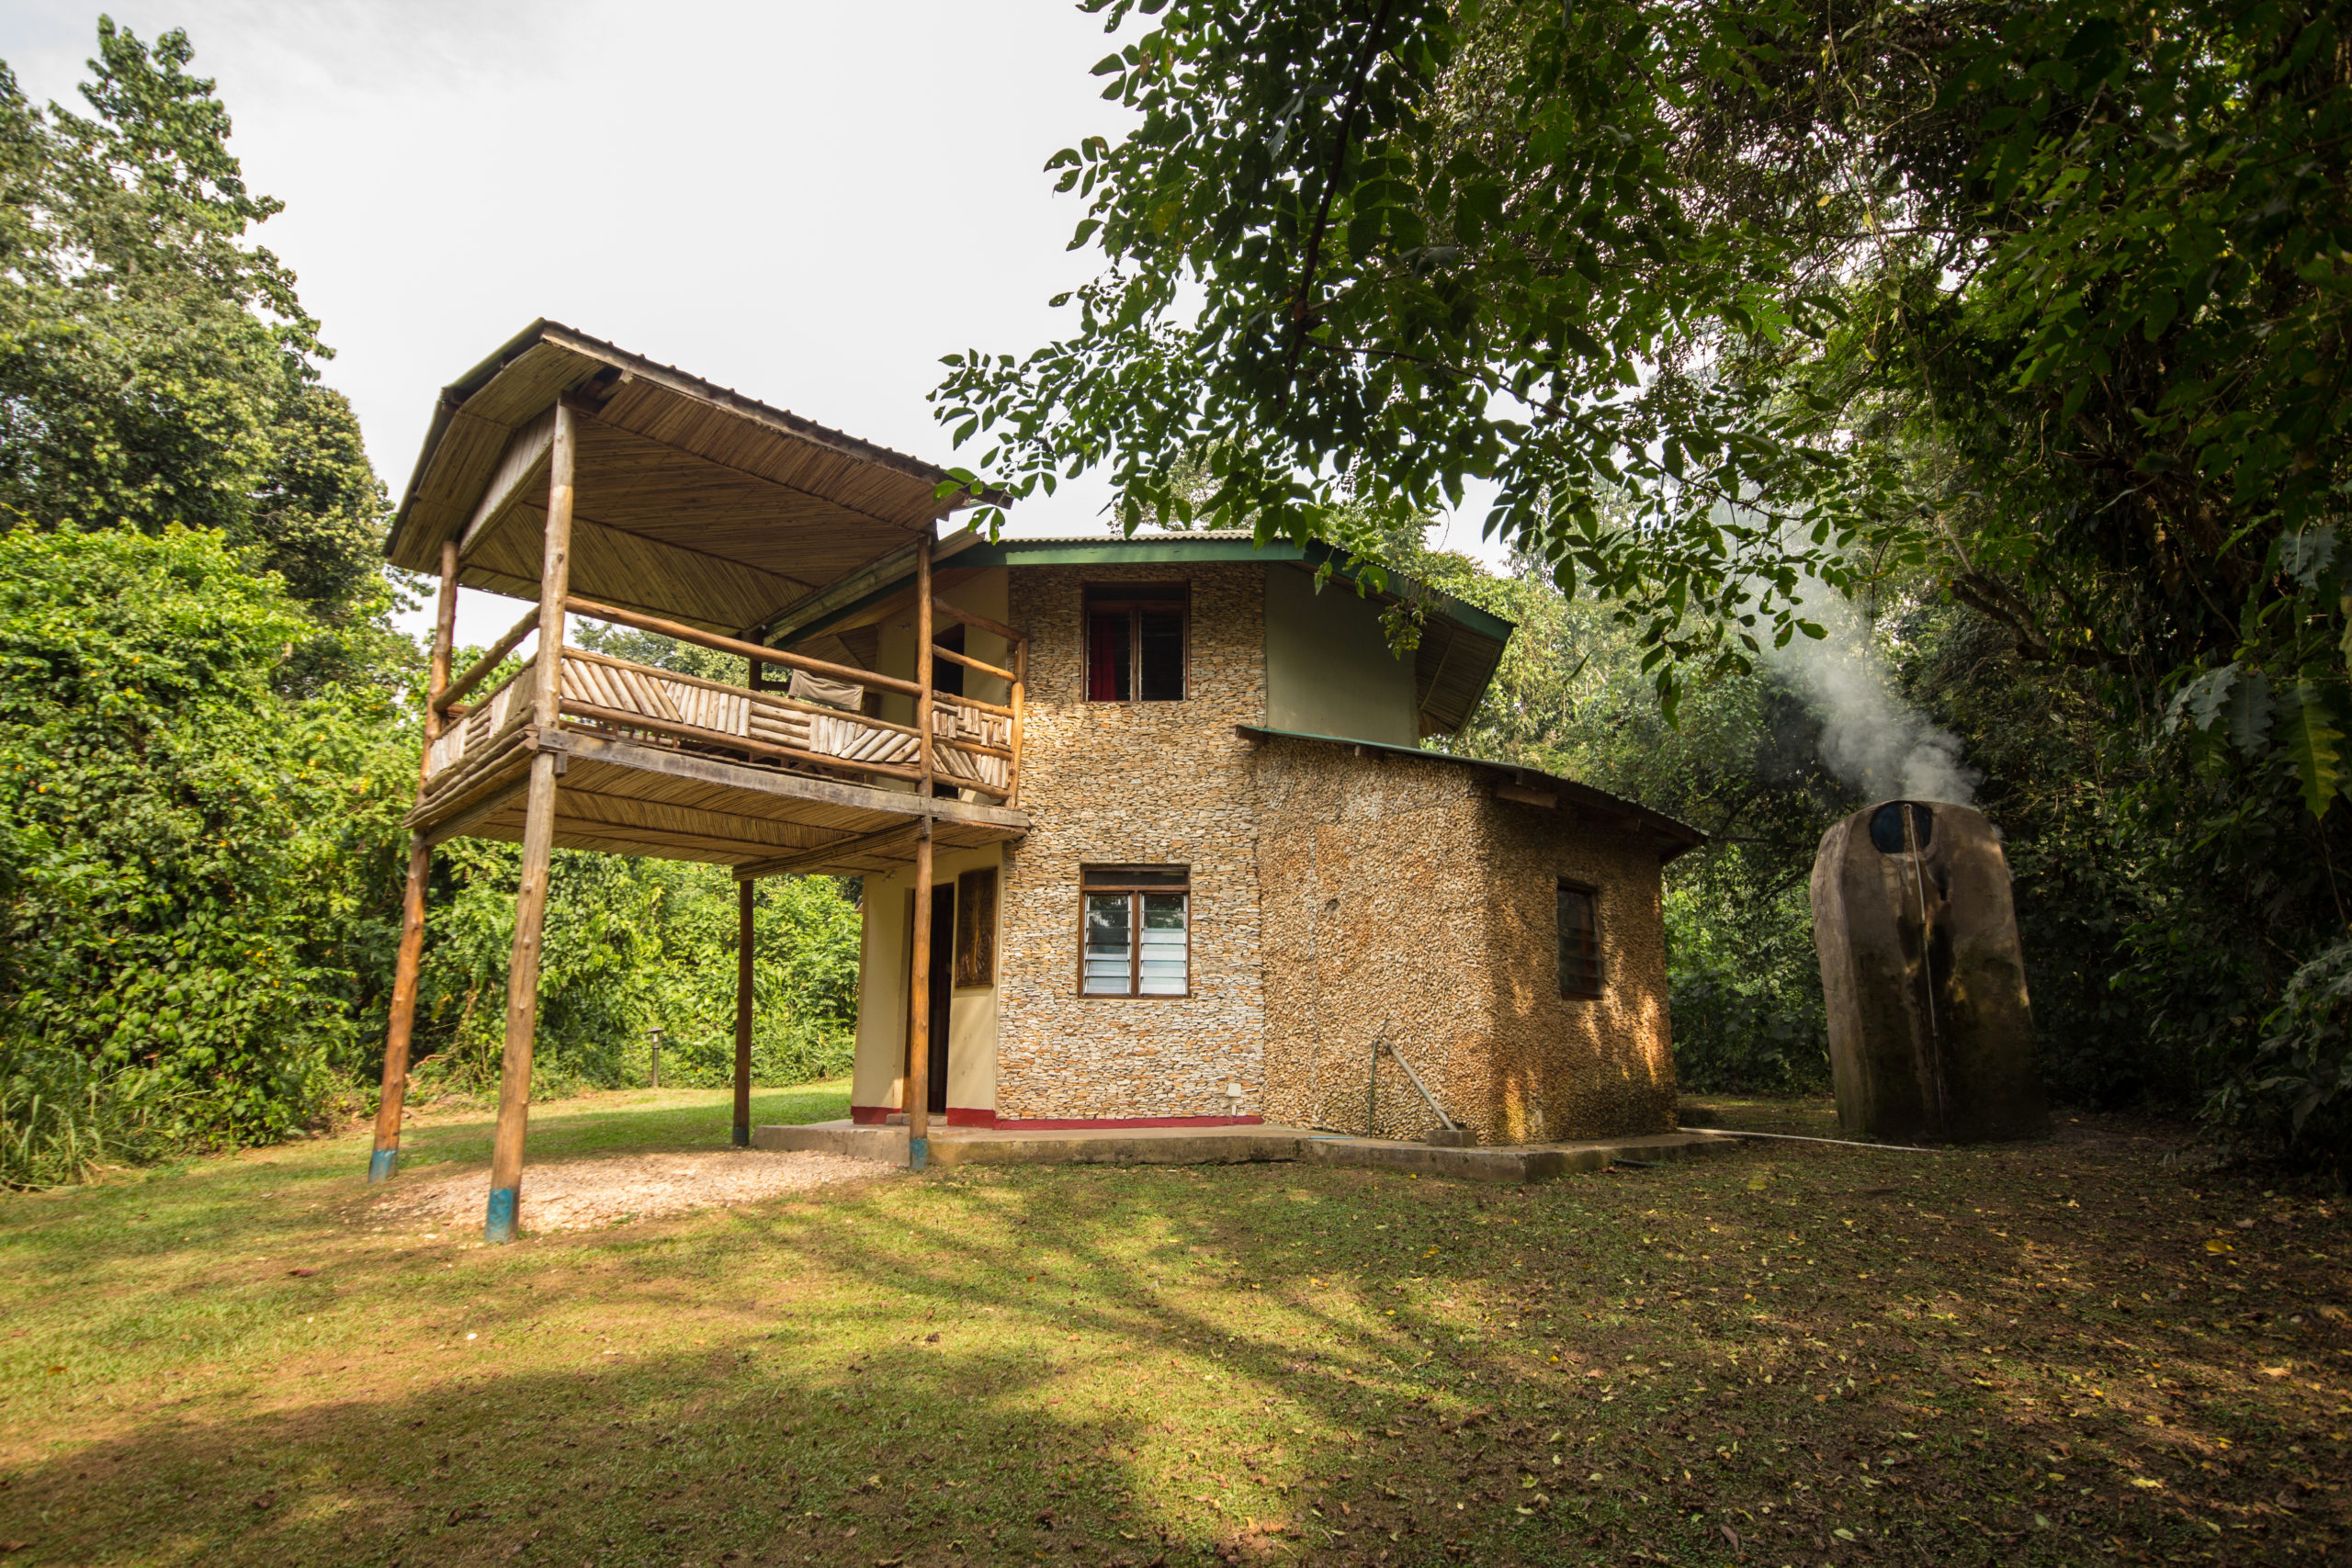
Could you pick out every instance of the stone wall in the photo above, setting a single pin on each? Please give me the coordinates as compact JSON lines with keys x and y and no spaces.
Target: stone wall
{"x":1134,"y":783}
{"x":1401,"y":898}
{"x":1568,"y":1066}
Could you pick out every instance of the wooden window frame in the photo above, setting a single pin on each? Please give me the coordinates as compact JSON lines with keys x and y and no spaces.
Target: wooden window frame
{"x":974,"y":947}
{"x":1599,"y":976}
{"x":1089,"y":607}
{"x":1134,"y":892}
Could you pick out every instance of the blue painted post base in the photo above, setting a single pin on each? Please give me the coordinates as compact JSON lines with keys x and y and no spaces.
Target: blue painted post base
{"x":742,"y":1134}
{"x":918,"y":1152}
{"x":500,"y":1224}
{"x":382,"y":1164}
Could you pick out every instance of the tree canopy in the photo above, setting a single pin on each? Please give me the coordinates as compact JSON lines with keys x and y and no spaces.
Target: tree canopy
{"x":2035,"y":313}
{"x":155,"y":368}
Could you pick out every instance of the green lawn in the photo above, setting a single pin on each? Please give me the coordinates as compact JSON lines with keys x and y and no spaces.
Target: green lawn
{"x":2063,"y":1352}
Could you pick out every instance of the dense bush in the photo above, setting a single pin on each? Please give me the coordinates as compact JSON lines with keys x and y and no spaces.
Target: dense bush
{"x":184,"y":835}
{"x":200,"y":864}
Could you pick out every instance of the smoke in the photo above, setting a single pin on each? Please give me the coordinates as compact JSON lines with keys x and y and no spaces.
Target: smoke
{"x":1875,"y":742}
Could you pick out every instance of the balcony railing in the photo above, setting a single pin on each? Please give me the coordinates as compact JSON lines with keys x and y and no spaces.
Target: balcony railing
{"x":815,"y":724}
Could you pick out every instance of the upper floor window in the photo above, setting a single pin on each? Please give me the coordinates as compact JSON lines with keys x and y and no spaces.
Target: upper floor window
{"x":1580,"y":922}
{"x":1135,"y":642}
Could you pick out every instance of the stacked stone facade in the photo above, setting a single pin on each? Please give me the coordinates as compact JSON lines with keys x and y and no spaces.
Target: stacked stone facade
{"x":1403,"y":900}
{"x":1340,"y":895}
{"x":1121,"y":783}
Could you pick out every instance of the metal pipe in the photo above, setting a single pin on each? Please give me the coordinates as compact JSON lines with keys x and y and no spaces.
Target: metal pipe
{"x":1443,"y":1119}
{"x":1801,"y":1138}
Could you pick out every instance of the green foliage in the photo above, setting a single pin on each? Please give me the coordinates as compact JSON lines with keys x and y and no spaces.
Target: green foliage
{"x":182,"y":835}
{"x":63,"y":1118}
{"x":155,"y":369}
{"x":2037,"y":310}
{"x":207,"y":732}
{"x":2301,"y":1085}
{"x":630,"y":946}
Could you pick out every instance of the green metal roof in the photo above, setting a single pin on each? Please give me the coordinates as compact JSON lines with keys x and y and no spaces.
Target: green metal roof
{"x":1144,"y":549}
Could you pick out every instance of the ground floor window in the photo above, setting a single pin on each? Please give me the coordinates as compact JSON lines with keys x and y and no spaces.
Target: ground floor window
{"x":1579,"y":926}
{"x":1137,"y":931}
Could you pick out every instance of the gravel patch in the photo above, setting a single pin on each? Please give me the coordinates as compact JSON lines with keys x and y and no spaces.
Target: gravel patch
{"x":581,"y":1194}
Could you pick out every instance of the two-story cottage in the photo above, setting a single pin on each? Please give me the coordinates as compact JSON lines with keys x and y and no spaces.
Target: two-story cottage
{"x":1242,"y":874}
{"x":1181,"y":859}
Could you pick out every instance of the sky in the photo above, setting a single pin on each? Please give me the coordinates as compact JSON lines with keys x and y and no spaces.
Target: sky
{"x":809,"y":203}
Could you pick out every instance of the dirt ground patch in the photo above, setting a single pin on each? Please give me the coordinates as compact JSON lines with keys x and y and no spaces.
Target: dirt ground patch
{"x":587,"y":1193}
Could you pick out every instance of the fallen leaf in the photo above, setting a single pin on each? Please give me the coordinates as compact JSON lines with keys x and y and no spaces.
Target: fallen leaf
{"x":2147,"y":1483}
{"x":301,"y":1273}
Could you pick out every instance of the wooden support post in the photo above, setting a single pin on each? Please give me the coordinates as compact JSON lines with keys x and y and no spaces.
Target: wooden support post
{"x":1020,"y":713}
{"x":393,"y":1096}
{"x":743,"y":1013}
{"x":919,"y":1010}
{"x":538,"y":844}
{"x":924,"y":665}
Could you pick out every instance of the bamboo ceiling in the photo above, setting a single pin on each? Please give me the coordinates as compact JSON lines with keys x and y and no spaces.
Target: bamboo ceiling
{"x":691,"y":502}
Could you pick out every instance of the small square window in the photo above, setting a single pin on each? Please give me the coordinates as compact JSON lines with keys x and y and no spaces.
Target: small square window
{"x":1136,"y":939}
{"x":1579,"y":934}
{"x":1135,"y":642}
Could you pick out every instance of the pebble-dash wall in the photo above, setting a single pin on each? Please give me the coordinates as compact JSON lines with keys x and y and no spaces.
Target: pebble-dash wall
{"x":1400,"y":897}
{"x":1136,"y":784}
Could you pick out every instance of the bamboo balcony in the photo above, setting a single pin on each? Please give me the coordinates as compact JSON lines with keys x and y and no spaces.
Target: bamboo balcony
{"x":971,"y":740}
{"x":759,"y":776}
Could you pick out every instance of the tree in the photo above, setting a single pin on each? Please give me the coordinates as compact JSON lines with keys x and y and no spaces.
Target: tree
{"x":2036,"y":310}
{"x":155,"y":369}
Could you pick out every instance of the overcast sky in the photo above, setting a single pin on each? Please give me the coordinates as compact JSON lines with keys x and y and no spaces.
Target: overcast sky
{"x":807,"y":202}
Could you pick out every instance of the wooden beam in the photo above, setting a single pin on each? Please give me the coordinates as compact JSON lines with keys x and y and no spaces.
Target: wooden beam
{"x":739,"y":650}
{"x":625,"y":720}
{"x":919,"y":997}
{"x":848,"y":590}
{"x":1543,"y":798}
{"x":503,"y":1211}
{"x":968,"y":663}
{"x":982,"y":624}
{"x":1020,"y":709}
{"x":516,"y":468}
{"x":833,"y":853}
{"x":480,"y":667}
{"x":743,"y":924}
{"x":400,"y":1028}
{"x":484,"y":807}
{"x":619,"y":751}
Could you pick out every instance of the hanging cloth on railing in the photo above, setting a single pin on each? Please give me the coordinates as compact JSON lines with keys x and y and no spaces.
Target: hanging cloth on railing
{"x":847,"y":695}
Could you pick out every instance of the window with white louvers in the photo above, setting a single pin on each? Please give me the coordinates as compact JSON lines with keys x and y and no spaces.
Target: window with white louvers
{"x":1136,"y":931}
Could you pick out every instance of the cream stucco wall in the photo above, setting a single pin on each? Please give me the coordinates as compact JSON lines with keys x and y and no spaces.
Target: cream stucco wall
{"x":1329,"y":669}
{"x":878,"y":1076}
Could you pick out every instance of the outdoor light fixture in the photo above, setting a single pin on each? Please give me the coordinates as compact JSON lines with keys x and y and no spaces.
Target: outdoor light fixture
{"x":655,"y":1036}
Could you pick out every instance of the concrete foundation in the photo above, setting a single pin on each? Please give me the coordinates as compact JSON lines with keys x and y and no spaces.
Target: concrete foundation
{"x":1238,"y":1145}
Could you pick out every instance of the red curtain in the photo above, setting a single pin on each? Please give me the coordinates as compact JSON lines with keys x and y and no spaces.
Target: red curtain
{"x":1106,"y":657}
